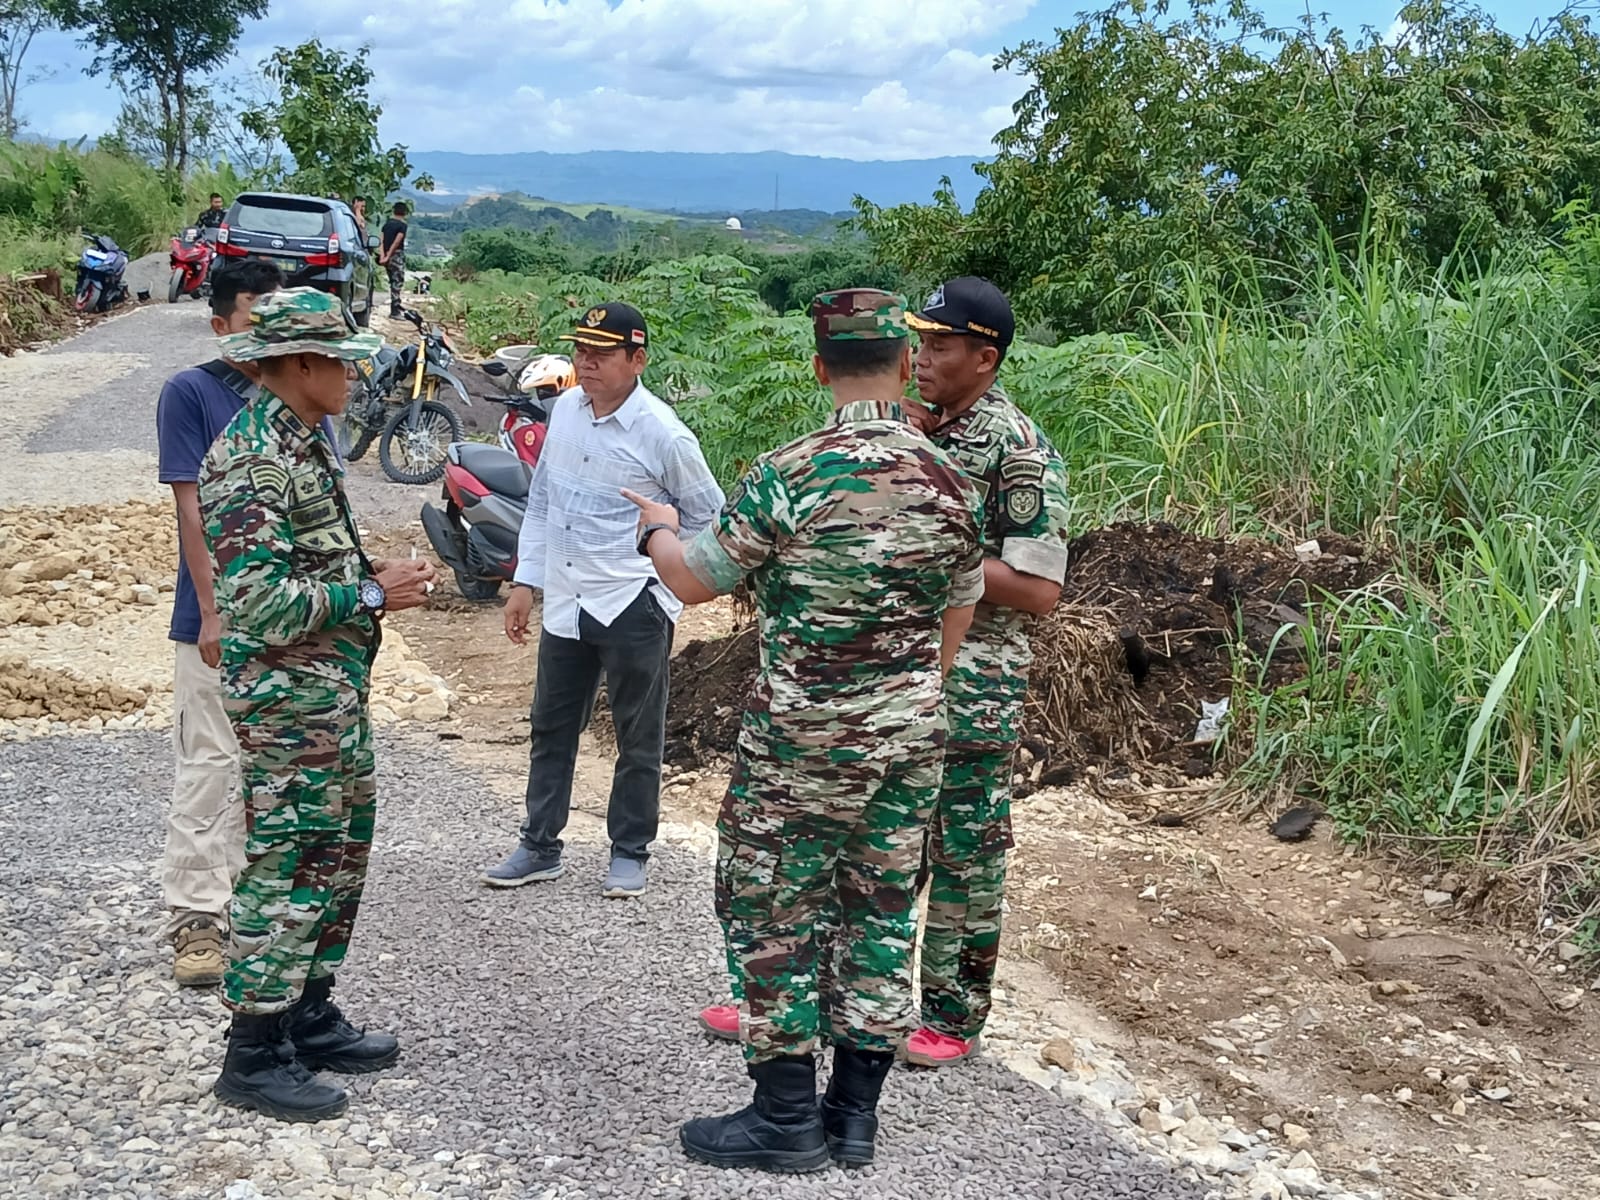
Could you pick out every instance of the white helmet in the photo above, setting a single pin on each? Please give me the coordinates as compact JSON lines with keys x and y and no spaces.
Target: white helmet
{"x":547,"y":376}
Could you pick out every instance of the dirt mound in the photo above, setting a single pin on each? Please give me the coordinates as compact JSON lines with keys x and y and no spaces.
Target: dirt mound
{"x":1188,"y":613}
{"x":1153,"y":621}
{"x":28,"y":691}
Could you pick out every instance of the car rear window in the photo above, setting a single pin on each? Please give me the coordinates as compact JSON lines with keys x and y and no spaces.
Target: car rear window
{"x":287,"y":218}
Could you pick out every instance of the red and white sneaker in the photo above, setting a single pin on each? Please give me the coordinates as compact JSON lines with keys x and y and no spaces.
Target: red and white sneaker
{"x":929,"y":1048}
{"x":721,"y":1021}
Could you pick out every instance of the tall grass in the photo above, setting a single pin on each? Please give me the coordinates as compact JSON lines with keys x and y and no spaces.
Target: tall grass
{"x":1451,"y":421}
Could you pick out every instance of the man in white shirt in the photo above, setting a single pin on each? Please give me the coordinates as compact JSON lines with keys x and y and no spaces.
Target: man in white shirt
{"x":605,"y":609}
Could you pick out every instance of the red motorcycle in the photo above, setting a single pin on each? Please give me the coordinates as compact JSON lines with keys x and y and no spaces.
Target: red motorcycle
{"x":192,"y":252}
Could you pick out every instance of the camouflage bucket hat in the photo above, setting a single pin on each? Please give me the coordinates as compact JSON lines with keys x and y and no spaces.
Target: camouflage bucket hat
{"x":859,"y":315}
{"x":299,"y":321}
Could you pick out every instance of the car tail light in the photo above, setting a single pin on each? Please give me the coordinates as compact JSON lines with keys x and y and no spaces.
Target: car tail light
{"x":232,"y":251}
{"x":222,"y":234}
{"x":330,"y":259}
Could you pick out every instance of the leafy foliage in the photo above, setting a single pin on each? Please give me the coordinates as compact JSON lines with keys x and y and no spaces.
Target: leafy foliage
{"x":329,"y":123}
{"x":1145,"y":149}
{"x":167,"y":45}
{"x":20,"y":22}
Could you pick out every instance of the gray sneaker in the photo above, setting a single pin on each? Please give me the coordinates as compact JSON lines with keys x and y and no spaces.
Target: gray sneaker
{"x":523,"y":866}
{"x":626,"y":878}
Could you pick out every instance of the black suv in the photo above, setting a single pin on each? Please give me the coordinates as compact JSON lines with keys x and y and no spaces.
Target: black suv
{"x":314,"y":241}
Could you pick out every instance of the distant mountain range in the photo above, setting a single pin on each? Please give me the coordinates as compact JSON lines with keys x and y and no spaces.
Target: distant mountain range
{"x":701,"y":183}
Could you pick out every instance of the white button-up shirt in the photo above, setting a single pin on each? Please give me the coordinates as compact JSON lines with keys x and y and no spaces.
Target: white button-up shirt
{"x":580,"y":534}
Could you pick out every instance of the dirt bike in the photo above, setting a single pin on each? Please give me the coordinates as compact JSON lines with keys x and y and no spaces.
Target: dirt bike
{"x":414,"y":438}
{"x":191,"y":256}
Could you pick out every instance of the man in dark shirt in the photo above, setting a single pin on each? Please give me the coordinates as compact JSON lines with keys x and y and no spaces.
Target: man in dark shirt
{"x":211,"y":217}
{"x":205,"y":825}
{"x":392,"y":255}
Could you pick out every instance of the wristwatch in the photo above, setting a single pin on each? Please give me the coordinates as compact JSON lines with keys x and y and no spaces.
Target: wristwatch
{"x":372,"y":597}
{"x":647,"y":533}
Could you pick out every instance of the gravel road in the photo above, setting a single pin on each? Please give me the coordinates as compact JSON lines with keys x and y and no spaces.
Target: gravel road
{"x":549,"y":1048}
{"x":85,"y":413}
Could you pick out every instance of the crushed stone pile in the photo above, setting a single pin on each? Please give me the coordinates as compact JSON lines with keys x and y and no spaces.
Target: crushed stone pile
{"x":86,"y":599}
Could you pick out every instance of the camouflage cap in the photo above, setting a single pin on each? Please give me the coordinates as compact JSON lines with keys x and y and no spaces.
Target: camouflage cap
{"x":859,"y":315}
{"x":299,"y":320}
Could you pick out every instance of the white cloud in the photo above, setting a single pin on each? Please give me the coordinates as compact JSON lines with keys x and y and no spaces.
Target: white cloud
{"x":832,"y":77}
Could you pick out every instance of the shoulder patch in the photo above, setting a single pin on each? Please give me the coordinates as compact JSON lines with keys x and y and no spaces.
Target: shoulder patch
{"x":1021,"y":468}
{"x":1023,"y":504}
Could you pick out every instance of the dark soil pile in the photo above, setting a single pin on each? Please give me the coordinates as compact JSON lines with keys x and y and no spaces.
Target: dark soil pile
{"x":1151,"y":623}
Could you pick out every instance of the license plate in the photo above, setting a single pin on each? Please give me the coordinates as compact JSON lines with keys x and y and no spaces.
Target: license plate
{"x":286,"y":264}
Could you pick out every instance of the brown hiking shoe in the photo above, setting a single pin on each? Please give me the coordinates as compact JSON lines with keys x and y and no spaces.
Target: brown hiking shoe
{"x":197,"y":961}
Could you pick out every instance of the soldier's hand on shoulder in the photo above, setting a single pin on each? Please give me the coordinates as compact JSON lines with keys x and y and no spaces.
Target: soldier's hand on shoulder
{"x":924,"y":418}
{"x":406,"y":582}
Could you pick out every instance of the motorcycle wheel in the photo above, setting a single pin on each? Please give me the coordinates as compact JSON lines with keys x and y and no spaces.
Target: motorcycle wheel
{"x":477,"y":590}
{"x":423,"y":451}
{"x":87,"y":298}
{"x":175,"y":286}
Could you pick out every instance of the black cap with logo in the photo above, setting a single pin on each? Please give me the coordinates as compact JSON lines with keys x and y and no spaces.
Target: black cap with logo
{"x":967,"y":305}
{"x":612,"y":324}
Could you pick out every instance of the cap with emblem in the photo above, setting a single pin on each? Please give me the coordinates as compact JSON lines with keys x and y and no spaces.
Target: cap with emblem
{"x":859,"y":315}
{"x":611,"y":324}
{"x":967,"y":305}
{"x":299,"y":320}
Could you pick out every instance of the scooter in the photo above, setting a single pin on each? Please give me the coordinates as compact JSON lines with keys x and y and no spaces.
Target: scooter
{"x":192,"y":252}
{"x":475,"y":533}
{"x":100,"y":269}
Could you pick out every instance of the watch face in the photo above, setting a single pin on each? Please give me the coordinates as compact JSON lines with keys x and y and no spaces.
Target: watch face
{"x":371,"y":593}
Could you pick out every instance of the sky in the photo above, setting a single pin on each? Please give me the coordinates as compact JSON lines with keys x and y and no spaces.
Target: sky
{"x":838,"y":78}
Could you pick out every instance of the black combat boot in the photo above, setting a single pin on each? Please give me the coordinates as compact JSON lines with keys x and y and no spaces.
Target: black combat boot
{"x":325,"y":1041}
{"x":778,"y":1131}
{"x":850,"y":1107}
{"x":261,"y":1072}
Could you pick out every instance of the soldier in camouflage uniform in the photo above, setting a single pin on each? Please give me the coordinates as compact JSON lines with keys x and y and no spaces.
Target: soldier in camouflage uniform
{"x":300,"y":607}
{"x":860,"y":541}
{"x":966,"y":328}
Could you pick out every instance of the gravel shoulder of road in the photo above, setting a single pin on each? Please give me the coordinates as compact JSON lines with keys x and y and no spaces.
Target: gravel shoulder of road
{"x":550,"y":1049}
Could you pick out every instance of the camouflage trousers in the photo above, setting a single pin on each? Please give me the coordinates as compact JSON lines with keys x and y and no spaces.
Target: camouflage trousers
{"x":968,"y":838}
{"x":307,"y":768}
{"x":964,"y":862}
{"x":796,"y":837}
{"x":395,"y":268}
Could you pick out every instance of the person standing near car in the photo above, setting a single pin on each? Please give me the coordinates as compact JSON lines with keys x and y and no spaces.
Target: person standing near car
{"x":605,"y":608}
{"x":211,"y":216}
{"x":302,"y":607}
{"x":358,"y":209}
{"x":392,"y":255}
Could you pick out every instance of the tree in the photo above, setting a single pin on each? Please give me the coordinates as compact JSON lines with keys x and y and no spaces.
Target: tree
{"x":1145,"y":151}
{"x":143,"y":130}
{"x":167,"y":45}
{"x":329,"y":125}
{"x":20,"y":22}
